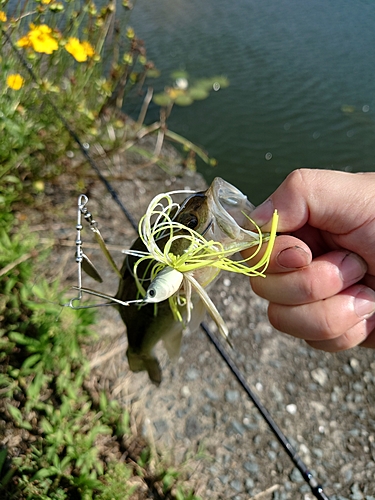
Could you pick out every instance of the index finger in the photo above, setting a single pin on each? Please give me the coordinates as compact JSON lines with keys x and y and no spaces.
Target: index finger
{"x":329,"y":200}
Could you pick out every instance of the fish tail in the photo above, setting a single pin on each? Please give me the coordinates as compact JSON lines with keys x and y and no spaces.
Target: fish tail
{"x":140,"y":363}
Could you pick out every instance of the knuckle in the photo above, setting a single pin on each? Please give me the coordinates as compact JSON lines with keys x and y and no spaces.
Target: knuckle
{"x":275,"y":317}
{"x":307,"y":287}
{"x":328,"y":327}
{"x":298,"y":177}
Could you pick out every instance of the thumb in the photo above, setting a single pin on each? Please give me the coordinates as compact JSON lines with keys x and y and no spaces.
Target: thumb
{"x":338,"y":202}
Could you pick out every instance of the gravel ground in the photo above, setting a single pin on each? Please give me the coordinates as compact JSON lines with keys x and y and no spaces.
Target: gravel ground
{"x":323,"y":402}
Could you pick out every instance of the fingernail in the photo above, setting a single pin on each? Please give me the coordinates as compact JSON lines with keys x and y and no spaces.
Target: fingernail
{"x":263,"y":213}
{"x":364,"y":304}
{"x":352,"y":268}
{"x":293,"y":258}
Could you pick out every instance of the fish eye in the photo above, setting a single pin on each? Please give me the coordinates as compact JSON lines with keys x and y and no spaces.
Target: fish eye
{"x":151,"y":292}
{"x":192,"y":223}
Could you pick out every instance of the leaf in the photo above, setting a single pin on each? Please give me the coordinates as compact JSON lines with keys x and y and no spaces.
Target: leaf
{"x":162,"y":99}
{"x":22,"y":339}
{"x":180,"y":73}
{"x":30,"y":361}
{"x":3,"y":455}
{"x":15,"y":413}
{"x":46,"y":426}
{"x":153,"y":73}
{"x":43,"y":473}
{"x":198,"y":94}
{"x":103,"y":401}
{"x":184,"y":100}
{"x":18,"y":418}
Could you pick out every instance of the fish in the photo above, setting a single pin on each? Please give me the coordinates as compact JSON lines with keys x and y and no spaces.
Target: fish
{"x":220,"y":214}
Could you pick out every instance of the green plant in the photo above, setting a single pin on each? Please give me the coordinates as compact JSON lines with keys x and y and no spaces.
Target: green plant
{"x":66,"y":45}
{"x":116,"y":480}
{"x":43,"y":395}
{"x":76,"y":80}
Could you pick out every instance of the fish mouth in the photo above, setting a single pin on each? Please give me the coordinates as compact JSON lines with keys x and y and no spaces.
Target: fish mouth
{"x":230,"y":210}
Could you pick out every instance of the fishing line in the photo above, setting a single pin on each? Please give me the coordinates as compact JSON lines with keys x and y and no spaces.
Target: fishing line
{"x":316,"y":489}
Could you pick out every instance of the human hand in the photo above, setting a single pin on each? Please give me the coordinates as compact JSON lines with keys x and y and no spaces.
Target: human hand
{"x":321,"y":279}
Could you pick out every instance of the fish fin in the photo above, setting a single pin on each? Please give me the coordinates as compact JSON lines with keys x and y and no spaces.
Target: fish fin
{"x":138,"y":363}
{"x":172,"y":343}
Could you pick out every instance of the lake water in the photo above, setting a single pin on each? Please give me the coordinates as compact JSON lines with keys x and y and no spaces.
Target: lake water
{"x":302,"y":83}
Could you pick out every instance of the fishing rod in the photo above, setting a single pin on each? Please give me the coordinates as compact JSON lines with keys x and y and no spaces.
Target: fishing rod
{"x":308,"y":477}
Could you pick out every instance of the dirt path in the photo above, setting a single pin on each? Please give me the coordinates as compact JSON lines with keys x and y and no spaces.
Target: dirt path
{"x":324,"y":403}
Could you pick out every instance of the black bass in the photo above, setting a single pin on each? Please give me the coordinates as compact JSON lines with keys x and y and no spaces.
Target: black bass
{"x":185,"y":246}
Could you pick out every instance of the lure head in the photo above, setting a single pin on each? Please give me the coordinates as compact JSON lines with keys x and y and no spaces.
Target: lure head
{"x":166,"y":283}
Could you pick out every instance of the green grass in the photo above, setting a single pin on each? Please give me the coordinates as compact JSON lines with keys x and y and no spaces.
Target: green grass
{"x":60,"y":440}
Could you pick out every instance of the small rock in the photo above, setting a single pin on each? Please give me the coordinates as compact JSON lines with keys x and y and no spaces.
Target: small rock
{"x":161,"y":427}
{"x":249,"y":484}
{"x":355,"y":364}
{"x":192,"y":374}
{"x":251,"y":467}
{"x":305,"y":488}
{"x":356,"y":493}
{"x":257,"y":439}
{"x":207,"y":410}
{"x":237,"y":427}
{"x":232,"y":396}
{"x":185,"y":391}
{"x":358,"y":386}
{"x":274,"y":444}
{"x":296,"y":476}
{"x":192,"y":427}
{"x":236,"y":485}
{"x":320,"y":376}
{"x":212,"y":394}
{"x":278,"y":395}
{"x":292,"y":409}
{"x":291,"y":387}
{"x":272,"y":455}
{"x":347,"y":370}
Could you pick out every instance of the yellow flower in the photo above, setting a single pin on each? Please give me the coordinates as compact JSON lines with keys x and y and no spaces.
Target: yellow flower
{"x":88,"y":48}
{"x":3,"y":16}
{"x":15,"y":81}
{"x":24,"y":42}
{"x":79,"y":50}
{"x":47,"y":2}
{"x":40,"y":39}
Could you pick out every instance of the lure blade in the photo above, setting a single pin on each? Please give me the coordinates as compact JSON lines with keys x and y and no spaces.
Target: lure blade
{"x":104,"y":249}
{"x":90,"y":269}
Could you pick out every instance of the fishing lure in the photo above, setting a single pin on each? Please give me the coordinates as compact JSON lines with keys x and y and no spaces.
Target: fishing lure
{"x":166,"y":284}
{"x":184,"y":252}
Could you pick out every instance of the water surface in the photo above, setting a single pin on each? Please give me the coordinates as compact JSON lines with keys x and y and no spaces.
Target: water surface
{"x":301,"y":83}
